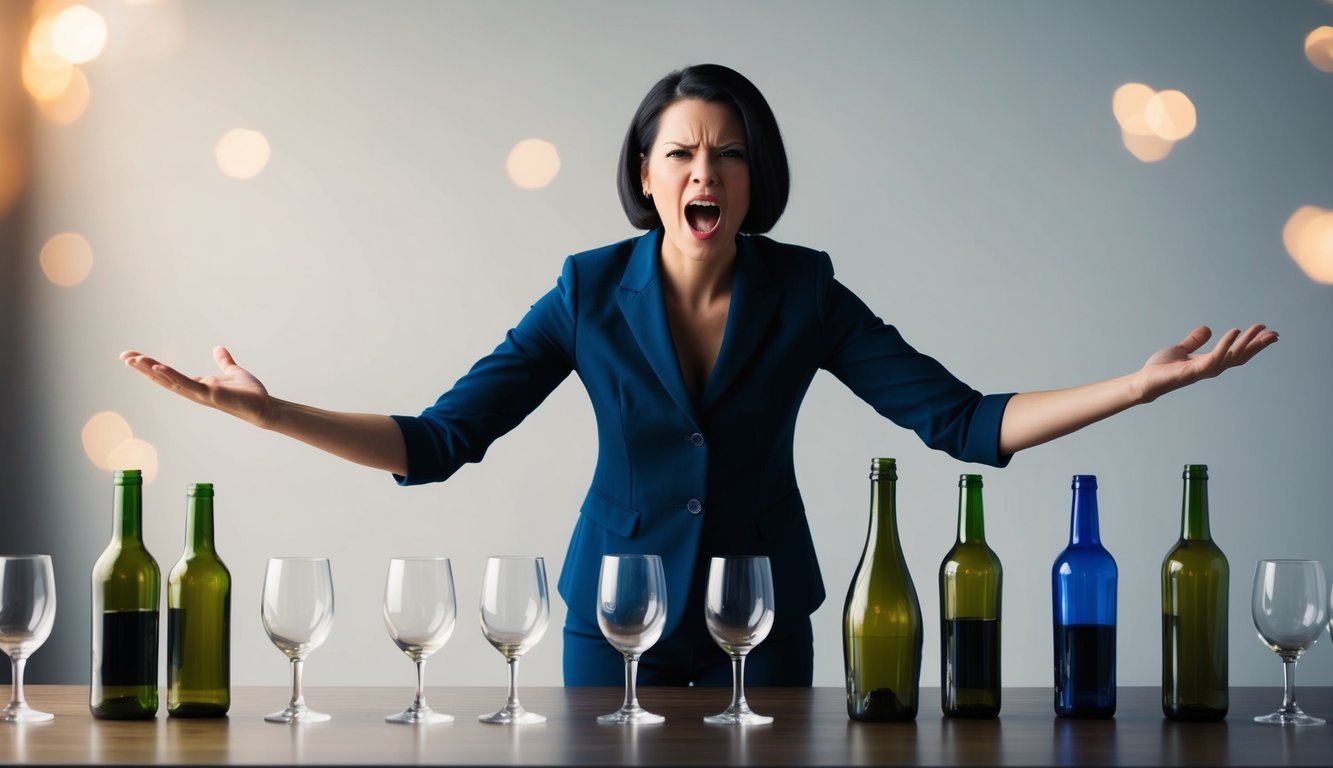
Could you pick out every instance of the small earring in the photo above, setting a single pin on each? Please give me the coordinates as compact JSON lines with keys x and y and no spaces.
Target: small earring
{"x":645,"y":193}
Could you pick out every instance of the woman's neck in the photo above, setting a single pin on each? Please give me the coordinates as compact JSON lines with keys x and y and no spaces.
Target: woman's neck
{"x":694,"y":282}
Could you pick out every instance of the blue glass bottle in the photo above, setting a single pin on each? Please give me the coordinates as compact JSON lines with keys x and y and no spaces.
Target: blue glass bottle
{"x":1083,"y":591}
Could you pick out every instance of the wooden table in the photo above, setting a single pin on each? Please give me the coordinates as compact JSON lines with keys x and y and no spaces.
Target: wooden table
{"x":811,"y":728}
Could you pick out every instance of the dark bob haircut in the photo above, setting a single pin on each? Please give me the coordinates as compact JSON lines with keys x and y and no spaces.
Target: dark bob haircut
{"x":770,"y":180}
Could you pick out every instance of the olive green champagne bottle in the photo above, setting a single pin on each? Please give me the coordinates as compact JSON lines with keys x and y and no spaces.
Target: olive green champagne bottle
{"x":881,"y":627}
{"x":199,"y":618}
{"x":127,"y":593}
{"x":1195,"y":582}
{"x":970,"y":582}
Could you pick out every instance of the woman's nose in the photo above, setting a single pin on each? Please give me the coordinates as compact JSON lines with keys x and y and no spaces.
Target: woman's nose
{"x":703,"y":171}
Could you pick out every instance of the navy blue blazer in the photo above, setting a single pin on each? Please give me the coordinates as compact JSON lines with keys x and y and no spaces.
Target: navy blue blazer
{"x":682,"y":477}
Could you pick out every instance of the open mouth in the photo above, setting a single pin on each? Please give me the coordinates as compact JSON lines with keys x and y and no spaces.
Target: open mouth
{"x":703,"y":216}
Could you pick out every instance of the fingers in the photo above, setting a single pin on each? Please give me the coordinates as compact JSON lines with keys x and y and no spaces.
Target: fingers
{"x":1196,"y":338}
{"x":164,"y":375}
{"x":223,"y":358}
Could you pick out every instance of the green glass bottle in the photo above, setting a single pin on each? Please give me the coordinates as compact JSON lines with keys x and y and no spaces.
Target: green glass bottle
{"x":970,"y":583}
{"x":1195,"y":582}
{"x":199,"y":618}
{"x":881,"y":627}
{"x":127,"y":594}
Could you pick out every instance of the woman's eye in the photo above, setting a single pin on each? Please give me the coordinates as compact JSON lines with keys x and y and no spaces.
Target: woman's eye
{"x":677,"y":153}
{"x":735,"y":153}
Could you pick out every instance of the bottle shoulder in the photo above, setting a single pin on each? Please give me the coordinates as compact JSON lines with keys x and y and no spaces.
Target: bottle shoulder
{"x":971,"y":556}
{"x":1084,"y":557}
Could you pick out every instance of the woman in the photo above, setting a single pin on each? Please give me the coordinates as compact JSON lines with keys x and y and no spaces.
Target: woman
{"x":696,"y":343}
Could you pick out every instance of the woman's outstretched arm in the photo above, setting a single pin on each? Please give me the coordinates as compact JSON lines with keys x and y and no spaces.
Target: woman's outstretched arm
{"x":1033,"y":418}
{"x":369,"y":439}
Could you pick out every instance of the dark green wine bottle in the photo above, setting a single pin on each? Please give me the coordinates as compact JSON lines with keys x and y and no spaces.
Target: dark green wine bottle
{"x":127,"y":594}
{"x":970,"y":582}
{"x":1195,"y":582}
{"x":199,"y":618}
{"x":881,"y":626}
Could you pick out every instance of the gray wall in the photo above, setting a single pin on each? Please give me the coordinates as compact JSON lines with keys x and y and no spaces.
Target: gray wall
{"x":959,"y":161}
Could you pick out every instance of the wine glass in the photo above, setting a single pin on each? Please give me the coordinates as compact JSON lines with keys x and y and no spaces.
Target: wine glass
{"x":631,"y":610}
{"x":27,"y":611}
{"x":739,"y":614}
{"x":1289,"y":606}
{"x":514,"y":614}
{"x":419,"y":611}
{"x":298,"y":614}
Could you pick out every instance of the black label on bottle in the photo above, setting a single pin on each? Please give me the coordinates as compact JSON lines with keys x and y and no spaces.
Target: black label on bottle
{"x":129,"y":648}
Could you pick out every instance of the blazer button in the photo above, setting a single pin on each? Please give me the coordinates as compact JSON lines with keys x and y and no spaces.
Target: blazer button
{"x":697,"y":439}
{"x":694,"y":506}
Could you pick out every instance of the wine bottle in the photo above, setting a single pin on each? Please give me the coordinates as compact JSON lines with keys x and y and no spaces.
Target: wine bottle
{"x":1195,"y":581}
{"x":881,"y":627}
{"x":199,"y":618}
{"x":1083,"y":587}
{"x":127,"y":593}
{"x":970,"y":586}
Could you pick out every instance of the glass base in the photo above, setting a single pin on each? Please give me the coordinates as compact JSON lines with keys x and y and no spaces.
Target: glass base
{"x":512,"y":715}
{"x":422,"y":715}
{"x":631,"y":715}
{"x":1293,"y":716}
{"x":735,"y":715}
{"x":22,"y":713}
{"x":300,"y":714}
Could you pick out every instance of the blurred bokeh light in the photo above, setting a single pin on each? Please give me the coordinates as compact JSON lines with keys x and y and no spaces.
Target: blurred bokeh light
{"x":78,"y":34}
{"x":135,"y":454}
{"x":1319,"y":48}
{"x":67,"y":259}
{"x":1308,"y":237}
{"x":1146,"y":147}
{"x":70,"y":105}
{"x":242,"y":153}
{"x":1129,"y":104}
{"x":103,"y":433}
{"x":533,"y":163}
{"x":1171,"y":115}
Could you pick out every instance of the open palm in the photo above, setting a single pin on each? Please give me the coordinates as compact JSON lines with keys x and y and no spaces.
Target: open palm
{"x":232,"y":390}
{"x":1177,"y":366}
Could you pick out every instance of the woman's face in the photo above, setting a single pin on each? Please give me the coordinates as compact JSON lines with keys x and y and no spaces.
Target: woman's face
{"x":698,"y":174}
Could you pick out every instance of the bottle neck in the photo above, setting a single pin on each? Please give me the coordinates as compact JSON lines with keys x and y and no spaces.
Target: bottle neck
{"x":971,"y":517}
{"x":127,"y":511}
{"x":199,"y":524}
{"x":883,"y":513}
{"x":1083,"y":527}
{"x":1194,"y":508}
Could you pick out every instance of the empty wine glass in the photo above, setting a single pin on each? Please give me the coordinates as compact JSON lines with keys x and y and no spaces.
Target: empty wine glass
{"x":1289,"y":606}
{"x":298,"y":613}
{"x":514,"y":612}
{"x":419,"y":611}
{"x":739,"y":614}
{"x":631,"y":610}
{"x":27,"y":611}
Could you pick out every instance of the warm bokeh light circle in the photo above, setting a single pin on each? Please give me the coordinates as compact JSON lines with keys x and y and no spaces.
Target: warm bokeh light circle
{"x":1148,"y":148}
{"x":242,"y":153}
{"x":1319,"y":48}
{"x":78,"y":34}
{"x":1129,"y":105}
{"x":1308,"y":237}
{"x":67,"y":259}
{"x":71,"y":103}
{"x":135,"y":454}
{"x":1171,"y":115}
{"x":533,"y":163}
{"x":103,"y":433}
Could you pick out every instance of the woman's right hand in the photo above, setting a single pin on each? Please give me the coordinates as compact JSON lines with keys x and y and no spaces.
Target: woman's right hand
{"x":232,"y":390}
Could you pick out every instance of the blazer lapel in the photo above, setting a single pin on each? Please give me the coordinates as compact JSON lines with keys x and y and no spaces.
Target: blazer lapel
{"x":754,"y":301}
{"x":644,"y":307}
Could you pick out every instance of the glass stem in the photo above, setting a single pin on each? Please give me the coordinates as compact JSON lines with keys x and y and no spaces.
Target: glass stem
{"x":513,"y":685}
{"x":16,"y":665}
{"x":631,"y":678}
{"x":1289,"y":685}
{"x":298,"y":701}
{"x":738,"y":683}
{"x":419,"y":702}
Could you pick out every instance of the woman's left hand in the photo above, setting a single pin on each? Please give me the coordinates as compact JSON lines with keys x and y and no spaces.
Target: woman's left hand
{"x":1177,"y":366}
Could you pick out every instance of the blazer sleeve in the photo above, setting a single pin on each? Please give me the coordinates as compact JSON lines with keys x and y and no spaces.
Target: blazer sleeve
{"x":911,"y":389}
{"x":498,"y":392}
